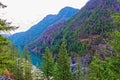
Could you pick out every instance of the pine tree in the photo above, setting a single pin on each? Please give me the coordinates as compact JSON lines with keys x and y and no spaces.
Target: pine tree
{"x":48,"y":64}
{"x":27,"y":64}
{"x":18,"y":68}
{"x":6,"y":61}
{"x":55,"y":72}
{"x":97,"y":69}
{"x":64,"y":72}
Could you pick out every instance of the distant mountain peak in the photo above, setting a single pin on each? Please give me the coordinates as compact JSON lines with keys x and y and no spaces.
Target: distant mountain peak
{"x":67,"y":12}
{"x":68,"y":8}
{"x":91,"y":21}
{"x":21,"y":39}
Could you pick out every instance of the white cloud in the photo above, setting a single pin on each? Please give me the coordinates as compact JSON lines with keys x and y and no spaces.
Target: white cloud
{"x":25,"y":13}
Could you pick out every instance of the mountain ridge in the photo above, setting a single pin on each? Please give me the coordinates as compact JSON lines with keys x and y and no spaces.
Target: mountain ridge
{"x":24,"y":38}
{"x":93,"y":20}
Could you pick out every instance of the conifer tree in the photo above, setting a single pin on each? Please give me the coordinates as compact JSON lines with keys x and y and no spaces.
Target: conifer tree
{"x":55,"y":72}
{"x":5,"y":54}
{"x":27,"y":64}
{"x":64,"y":72}
{"x":97,"y":67}
{"x":48,"y":64}
{"x":19,"y":70}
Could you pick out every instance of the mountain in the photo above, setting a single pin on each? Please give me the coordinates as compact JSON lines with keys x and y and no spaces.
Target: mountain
{"x":85,"y":31}
{"x":23,"y":38}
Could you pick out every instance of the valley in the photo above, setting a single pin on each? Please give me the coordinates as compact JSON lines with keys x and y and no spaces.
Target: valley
{"x":71,"y":45}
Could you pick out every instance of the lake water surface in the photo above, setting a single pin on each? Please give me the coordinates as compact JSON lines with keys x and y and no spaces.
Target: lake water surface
{"x":36,"y":59}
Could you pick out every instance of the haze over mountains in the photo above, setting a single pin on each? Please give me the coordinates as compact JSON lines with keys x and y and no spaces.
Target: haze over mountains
{"x":24,"y":38}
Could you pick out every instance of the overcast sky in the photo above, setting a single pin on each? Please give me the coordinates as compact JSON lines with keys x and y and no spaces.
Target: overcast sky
{"x":25,"y":13}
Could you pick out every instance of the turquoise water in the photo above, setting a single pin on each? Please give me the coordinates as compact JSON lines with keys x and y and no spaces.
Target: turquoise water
{"x":36,"y":59}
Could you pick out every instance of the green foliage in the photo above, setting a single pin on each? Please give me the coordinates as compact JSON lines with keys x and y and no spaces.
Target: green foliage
{"x":97,"y":71}
{"x":115,"y":41}
{"x":3,"y":41}
{"x":98,"y":22}
{"x":64,"y":72}
{"x":55,"y":72}
{"x":118,"y":0}
{"x":7,"y":58}
{"x":5,"y":26}
{"x":114,"y":37}
{"x":48,"y":64}
{"x":105,"y":69}
{"x":27,"y":70}
{"x":116,"y":18}
{"x":108,"y":69}
{"x":19,"y":70}
{"x":27,"y":66}
{"x":78,"y":47}
{"x":25,"y":54}
{"x":20,"y":67}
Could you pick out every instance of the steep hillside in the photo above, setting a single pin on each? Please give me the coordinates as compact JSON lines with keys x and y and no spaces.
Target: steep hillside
{"x":83,"y":32}
{"x":23,"y":38}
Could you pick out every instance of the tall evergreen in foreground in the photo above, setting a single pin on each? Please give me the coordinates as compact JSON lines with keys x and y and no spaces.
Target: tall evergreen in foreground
{"x":64,"y":72}
{"x":27,"y":65}
{"x":6,"y":55}
{"x":48,"y":64}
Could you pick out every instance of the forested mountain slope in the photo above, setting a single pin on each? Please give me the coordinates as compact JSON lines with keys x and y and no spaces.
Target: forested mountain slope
{"x":92,"y":39}
{"x":23,"y":38}
{"x":83,"y":32}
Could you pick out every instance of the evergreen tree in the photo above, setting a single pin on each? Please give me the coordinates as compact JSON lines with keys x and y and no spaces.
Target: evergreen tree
{"x":19,"y":69}
{"x":48,"y":64}
{"x":6,"y":61}
{"x":97,"y":69}
{"x":64,"y":72}
{"x":27,"y":66}
{"x":55,"y":72}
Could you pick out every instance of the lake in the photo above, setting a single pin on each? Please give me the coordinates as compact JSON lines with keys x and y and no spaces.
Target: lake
{"x":36,"y":59}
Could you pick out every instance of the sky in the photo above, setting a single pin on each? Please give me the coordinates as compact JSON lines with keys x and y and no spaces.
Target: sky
{"x":26,"y":13}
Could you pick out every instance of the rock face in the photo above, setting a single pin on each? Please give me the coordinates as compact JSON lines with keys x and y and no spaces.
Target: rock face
{"x":24,"y":38}
{"x":92,"y":20}
{"x":47,"y":37}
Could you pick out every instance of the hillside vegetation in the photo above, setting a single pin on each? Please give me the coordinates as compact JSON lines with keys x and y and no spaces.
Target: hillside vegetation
{"x":84,"y":47}
{"x":89,"y":26}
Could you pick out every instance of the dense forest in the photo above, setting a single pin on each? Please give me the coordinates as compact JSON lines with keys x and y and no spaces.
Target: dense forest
{"x":85,"y":47}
